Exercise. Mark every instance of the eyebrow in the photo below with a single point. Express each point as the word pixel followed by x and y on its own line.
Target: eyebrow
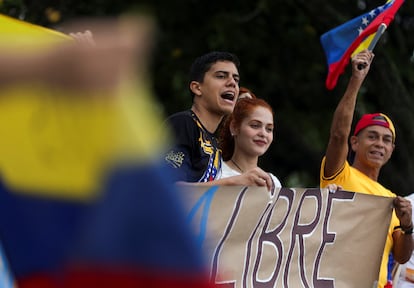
pixel 258 121
pixel 227 73
pixel 376 133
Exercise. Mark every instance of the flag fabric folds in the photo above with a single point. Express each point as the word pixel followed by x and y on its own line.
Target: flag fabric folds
pixel 6 277
pixel 133 235
pixel 340 43
pixel 85 200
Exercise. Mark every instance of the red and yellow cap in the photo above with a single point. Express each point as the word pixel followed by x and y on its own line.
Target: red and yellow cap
pixel 375 119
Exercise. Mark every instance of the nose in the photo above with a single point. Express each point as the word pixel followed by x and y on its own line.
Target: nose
pixel 265 133
pixel 233 83
pixel 380 142
pixel 262 132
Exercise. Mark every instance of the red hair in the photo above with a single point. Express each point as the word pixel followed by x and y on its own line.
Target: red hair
pixel 244 90
pixel 244 107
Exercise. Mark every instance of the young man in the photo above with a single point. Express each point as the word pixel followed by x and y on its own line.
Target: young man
pixel 373 142
pixel 195 157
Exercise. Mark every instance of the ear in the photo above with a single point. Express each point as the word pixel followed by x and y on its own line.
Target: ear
pixel 195 88
pixel 354 142
pixel 233 130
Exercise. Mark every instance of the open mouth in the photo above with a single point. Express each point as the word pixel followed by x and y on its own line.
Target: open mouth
pixel 376 156
pixel 228 96
pixel 377 153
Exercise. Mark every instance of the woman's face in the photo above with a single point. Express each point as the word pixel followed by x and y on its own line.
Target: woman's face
pixel 255 133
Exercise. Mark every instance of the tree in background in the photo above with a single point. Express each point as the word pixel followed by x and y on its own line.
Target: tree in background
pixel 282 61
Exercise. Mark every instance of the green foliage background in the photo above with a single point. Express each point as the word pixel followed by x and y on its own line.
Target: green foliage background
pixel 282 61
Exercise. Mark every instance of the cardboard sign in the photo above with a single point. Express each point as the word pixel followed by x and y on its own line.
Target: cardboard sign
pixel 293 238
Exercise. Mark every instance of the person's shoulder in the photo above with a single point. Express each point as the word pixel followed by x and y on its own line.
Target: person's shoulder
pixel 182 124
pixel 180 114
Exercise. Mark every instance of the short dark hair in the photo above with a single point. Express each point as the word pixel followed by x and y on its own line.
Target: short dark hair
pixel 203 63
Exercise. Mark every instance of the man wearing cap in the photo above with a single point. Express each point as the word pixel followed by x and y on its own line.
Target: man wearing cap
pixel 373 143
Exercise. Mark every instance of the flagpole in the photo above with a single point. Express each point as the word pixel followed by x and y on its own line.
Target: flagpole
pixel 380 31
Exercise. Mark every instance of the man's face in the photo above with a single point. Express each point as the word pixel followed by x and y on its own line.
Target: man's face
pixel 219 89
pixel 373 146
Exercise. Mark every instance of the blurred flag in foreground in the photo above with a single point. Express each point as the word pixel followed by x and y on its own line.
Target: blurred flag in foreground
pixel 84 200
pixel 342 42
pixel 16 32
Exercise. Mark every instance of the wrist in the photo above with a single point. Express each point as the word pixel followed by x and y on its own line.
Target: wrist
pixel 408 232
pixel 407 229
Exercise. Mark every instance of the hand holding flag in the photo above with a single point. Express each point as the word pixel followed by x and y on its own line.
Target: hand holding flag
pixel 361 63
pixel 342 42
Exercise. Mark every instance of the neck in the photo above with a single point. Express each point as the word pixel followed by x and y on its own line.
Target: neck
pixel 243 163
pixel 371 172
pixel 209 120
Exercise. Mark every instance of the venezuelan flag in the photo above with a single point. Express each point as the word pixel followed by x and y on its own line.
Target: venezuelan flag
pixel 84 199
pixel 340 43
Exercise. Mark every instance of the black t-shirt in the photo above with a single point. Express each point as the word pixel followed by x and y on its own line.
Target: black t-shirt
pixel 195 155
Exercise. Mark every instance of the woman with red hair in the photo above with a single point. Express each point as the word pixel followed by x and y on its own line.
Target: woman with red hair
pixel 246 135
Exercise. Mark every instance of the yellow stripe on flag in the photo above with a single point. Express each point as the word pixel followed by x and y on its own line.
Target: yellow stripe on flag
pixel 364 45
pixel 26 36
pixel 59 143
